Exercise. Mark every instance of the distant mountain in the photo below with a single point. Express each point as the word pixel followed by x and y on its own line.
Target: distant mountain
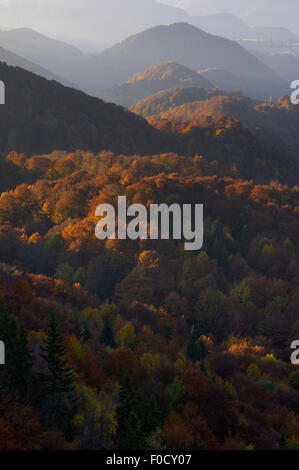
pixel 156 78
pixel 189 46
pixel 67 62
pixel 226 25
pixel 223 79
pixel 27 42
pixel 41 116
pixel 230 26
pixel 274 13
pixel 211 7
pixel 15 60
pixel 285 65
pixel 97 22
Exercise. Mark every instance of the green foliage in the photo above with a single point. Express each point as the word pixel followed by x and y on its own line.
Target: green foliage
pixel 176 392
pixel 253 371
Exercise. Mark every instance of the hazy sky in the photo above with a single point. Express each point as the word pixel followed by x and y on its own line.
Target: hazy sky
pixel 103 22
pixel 94 21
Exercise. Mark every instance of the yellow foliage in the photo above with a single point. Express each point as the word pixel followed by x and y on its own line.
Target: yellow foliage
pixel 127 336
pixel 150 362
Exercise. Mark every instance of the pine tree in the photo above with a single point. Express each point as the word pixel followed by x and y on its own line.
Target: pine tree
pixel 58 384
pixel 107 335
pixel 130 434
pixel 61 377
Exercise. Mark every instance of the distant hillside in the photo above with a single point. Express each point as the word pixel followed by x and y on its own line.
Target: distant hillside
pixel 275 123
pixel 223 24
pixel 189 46
pixel 285 65
pixel 227 143
pixel 29 43
pixel 230 26
pixel 222 79
pixel 165 100
pixel 275 12
pixel 159 77
pixel 13 59
pixel 42 116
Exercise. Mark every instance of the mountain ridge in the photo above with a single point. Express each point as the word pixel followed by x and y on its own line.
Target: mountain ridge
pixel 191 47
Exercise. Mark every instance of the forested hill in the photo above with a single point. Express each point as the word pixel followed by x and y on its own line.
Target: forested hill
pixel 41 116
pixel 276 123
pixel 187 45
pixel 161 76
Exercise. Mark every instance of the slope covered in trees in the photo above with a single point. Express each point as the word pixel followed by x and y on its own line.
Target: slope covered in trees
pixel 166 100
pixel 275 123
pixel 41 116
pixel 143 336
pixel 159 77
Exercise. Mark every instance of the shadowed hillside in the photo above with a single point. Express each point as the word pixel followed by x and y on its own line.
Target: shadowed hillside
pixel 41 116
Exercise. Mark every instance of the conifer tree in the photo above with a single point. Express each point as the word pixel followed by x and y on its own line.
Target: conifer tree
pixel 197 349
pixel 130 434
pixel 107 335
pixel 58 383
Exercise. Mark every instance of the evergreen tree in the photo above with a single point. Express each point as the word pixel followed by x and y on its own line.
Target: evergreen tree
pixel 202 350
pixel 148 411
pixel 86 333
pixel 58 384
pixel 176 391
pixel 197 349
pixel 107 335
pixel 130 433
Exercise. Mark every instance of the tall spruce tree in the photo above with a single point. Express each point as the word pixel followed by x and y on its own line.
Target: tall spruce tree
pixel 130 434
pixel 58 383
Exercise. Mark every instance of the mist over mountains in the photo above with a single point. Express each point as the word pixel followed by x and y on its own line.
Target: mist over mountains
pixel 101 23
pixel 98 24
pixel 189 46
pixel 134 31
pixel 271 13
